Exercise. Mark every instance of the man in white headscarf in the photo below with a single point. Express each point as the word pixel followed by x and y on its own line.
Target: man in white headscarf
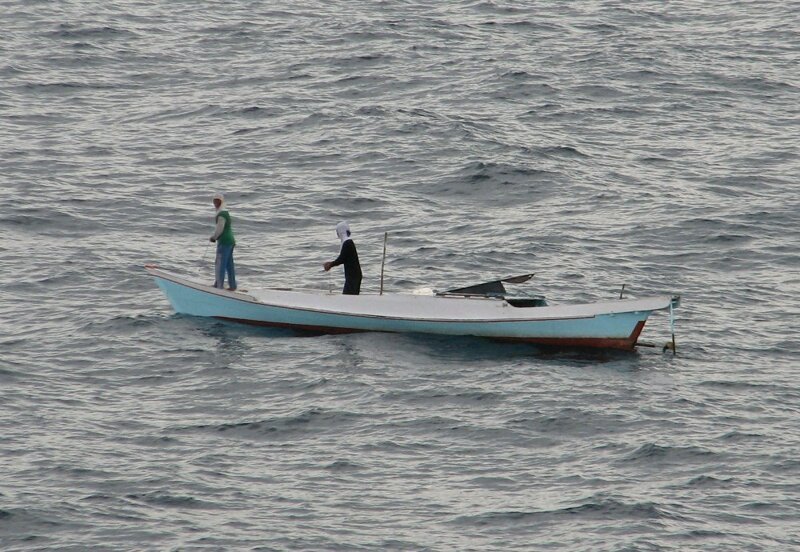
pixel 348 256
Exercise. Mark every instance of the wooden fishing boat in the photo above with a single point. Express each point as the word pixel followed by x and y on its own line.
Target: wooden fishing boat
pixel 482 310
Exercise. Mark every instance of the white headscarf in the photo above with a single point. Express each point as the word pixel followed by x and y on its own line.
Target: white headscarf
pixel 221 199
pixel 343 231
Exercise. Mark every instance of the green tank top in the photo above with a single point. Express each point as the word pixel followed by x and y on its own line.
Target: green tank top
pixel 226 238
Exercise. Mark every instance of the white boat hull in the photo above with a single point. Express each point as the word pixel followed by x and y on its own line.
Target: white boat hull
pixel 614 324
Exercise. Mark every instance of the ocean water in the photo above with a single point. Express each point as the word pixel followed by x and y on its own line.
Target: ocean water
pixel 596 143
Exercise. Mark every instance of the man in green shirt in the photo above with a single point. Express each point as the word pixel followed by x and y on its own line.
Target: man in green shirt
pixel 223 236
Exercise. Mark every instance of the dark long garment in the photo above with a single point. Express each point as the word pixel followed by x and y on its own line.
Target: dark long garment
pixel 348 256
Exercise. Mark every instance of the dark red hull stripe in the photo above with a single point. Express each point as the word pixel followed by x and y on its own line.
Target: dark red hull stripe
pixel 626 344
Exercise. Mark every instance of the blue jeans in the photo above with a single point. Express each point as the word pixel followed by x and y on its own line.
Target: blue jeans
pixel 223 264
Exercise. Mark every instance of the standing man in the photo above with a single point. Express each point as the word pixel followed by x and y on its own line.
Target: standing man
pixel 348 256
pixel 223 236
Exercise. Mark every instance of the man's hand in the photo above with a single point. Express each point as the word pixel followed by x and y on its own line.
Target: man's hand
pixel 327 266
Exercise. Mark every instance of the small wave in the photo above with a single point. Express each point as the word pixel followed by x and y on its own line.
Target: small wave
pixel 243 28
pixel 568 151
pixel 100 497
pixel 410 448
pixel 437 397
pixel 366 80
pixel 419 112
pixel 788 466
pixel 600 27
pixel 243 131
pixel 73 32
pixel 312 120
pixel 643 75
pixel 491 7
pixel 363 58
pixel 653 160
pixel 122 325
pixel 595 509
pixel 742 385
pixel 614 509
pixel 209 111
pixel 6 374
pixel 753 84
pixel 479 170
pixel 521 88
pixel 709 481
pixel 528 26
pixel 47 221
pixel 518 75
pixel 704 534
pixel 736 436
pixel 494 482
pixel 762 506
pixel 170 501
pixel 567 420
pixel 372 111
pixel 84 46
pixel 14 69
pixel 496 183
pixel 296 426
pixel 364 36
pixel 654 452
pixel 597 91
pixel 251 112
pixel 67 86
pixel 343 466
pixel 727 238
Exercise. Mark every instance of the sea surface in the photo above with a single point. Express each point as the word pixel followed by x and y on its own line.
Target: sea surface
pixel 596 143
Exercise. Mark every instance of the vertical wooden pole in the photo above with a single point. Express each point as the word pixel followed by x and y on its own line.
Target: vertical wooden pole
pixel 621 291
pixel 672 326
pixel 383 262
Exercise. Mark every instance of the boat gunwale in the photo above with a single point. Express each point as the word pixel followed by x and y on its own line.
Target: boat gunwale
pixel 239 296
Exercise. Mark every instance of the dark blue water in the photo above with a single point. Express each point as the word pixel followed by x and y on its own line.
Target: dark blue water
pixel 595 143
